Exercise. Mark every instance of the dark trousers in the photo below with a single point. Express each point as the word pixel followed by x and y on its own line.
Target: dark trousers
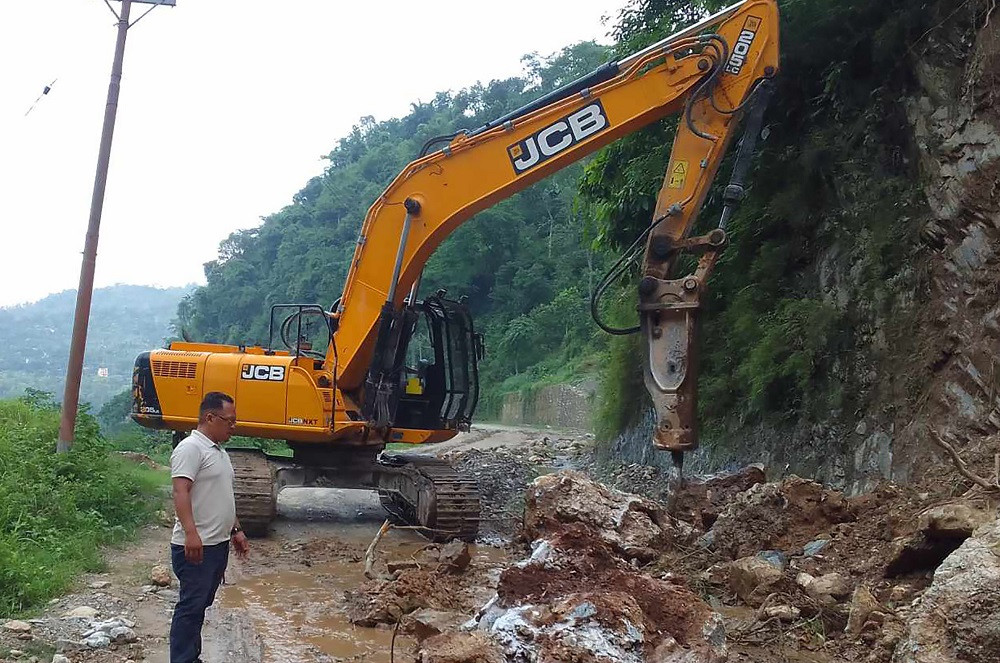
pixel 199 583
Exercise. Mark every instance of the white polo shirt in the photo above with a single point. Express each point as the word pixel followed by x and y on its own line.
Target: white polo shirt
pixel 207 464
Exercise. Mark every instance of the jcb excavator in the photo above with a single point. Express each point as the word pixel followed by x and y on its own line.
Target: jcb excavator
pixel 397 368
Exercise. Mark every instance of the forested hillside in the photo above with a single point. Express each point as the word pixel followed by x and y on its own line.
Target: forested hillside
pixel 814 304
pixel 124 321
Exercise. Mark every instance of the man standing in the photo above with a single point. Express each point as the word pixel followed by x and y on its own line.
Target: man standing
pixel 202 477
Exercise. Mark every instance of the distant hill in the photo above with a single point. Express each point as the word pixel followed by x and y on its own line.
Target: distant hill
pixel 124 321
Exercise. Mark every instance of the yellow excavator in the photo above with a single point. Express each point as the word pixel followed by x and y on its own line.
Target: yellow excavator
pixel 398 368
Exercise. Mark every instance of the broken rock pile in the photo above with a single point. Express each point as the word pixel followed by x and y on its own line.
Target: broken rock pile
pixel 502 475
pixel 858 569
pixel 580 594
pixel 424 590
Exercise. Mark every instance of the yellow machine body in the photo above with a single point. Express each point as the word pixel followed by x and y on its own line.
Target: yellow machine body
pixel 279 395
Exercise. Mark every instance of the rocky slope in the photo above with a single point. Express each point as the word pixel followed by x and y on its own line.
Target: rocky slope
pixel 927 341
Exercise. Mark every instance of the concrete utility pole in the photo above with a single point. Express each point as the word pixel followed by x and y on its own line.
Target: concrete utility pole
pixel 78 344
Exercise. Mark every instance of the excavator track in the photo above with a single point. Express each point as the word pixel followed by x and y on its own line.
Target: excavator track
pixel 254 489
pixel 448 503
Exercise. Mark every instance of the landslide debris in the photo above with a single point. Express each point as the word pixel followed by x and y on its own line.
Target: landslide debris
pixel 421 591
pixel 783 516
pixel 503 474
pixel 726 568
pixel 958 617
pixel 571 503
pixel 580 595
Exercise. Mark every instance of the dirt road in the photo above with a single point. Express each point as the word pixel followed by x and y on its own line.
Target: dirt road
pixel 289 602
pixel 286 603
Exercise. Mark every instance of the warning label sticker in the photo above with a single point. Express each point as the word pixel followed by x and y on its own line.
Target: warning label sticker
pixel 678 175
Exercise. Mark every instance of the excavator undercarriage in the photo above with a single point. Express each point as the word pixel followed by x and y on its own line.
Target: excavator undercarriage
pixel 415 489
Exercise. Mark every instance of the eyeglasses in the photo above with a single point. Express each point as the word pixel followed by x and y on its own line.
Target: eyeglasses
pixel 230 420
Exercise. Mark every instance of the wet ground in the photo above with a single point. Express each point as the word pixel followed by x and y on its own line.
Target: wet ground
pixel 287 602
pixel 296 597
pixel 296 611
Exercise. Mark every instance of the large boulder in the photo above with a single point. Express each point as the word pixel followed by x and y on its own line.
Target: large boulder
pixel 863 605
pixel 17 626
pixel 81 612
pixel 940 530
pixel 580 595
pixel 626 626
pixel 952 521
pixel 427 623
pixel 387 600
pixel 957 619
pixel 635 527
pixel 751 578
pixel 459 648
pixel 160 576
pixel 700 501
pixel 835 585
pixel 455 556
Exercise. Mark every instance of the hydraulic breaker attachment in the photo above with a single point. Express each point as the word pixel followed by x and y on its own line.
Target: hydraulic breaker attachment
pixel 669 307
pixel 669 312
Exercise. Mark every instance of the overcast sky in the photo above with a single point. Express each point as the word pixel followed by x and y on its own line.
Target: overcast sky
pixel 226 109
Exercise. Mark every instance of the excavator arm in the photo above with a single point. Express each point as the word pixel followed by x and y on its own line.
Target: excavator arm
pixel 710 73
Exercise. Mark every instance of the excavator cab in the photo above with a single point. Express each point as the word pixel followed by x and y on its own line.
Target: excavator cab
pixel 426 370
pixel 429 357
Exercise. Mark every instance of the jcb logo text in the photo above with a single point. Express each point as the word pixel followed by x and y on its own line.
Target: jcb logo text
pixel 558 136
pixel 254 372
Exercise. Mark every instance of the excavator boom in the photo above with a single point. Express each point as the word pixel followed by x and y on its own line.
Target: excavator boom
pixel 710 76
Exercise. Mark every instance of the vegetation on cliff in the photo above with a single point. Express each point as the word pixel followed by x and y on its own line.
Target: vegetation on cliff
pixel 822 248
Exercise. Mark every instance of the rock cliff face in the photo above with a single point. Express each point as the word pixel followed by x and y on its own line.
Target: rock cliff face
pixel 956 126
pixel 927 345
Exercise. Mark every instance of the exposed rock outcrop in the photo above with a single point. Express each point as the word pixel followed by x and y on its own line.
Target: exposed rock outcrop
pixel 958 618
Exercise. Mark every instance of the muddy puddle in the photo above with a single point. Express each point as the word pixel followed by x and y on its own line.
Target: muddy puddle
pixel 298 615
pixel 295 604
